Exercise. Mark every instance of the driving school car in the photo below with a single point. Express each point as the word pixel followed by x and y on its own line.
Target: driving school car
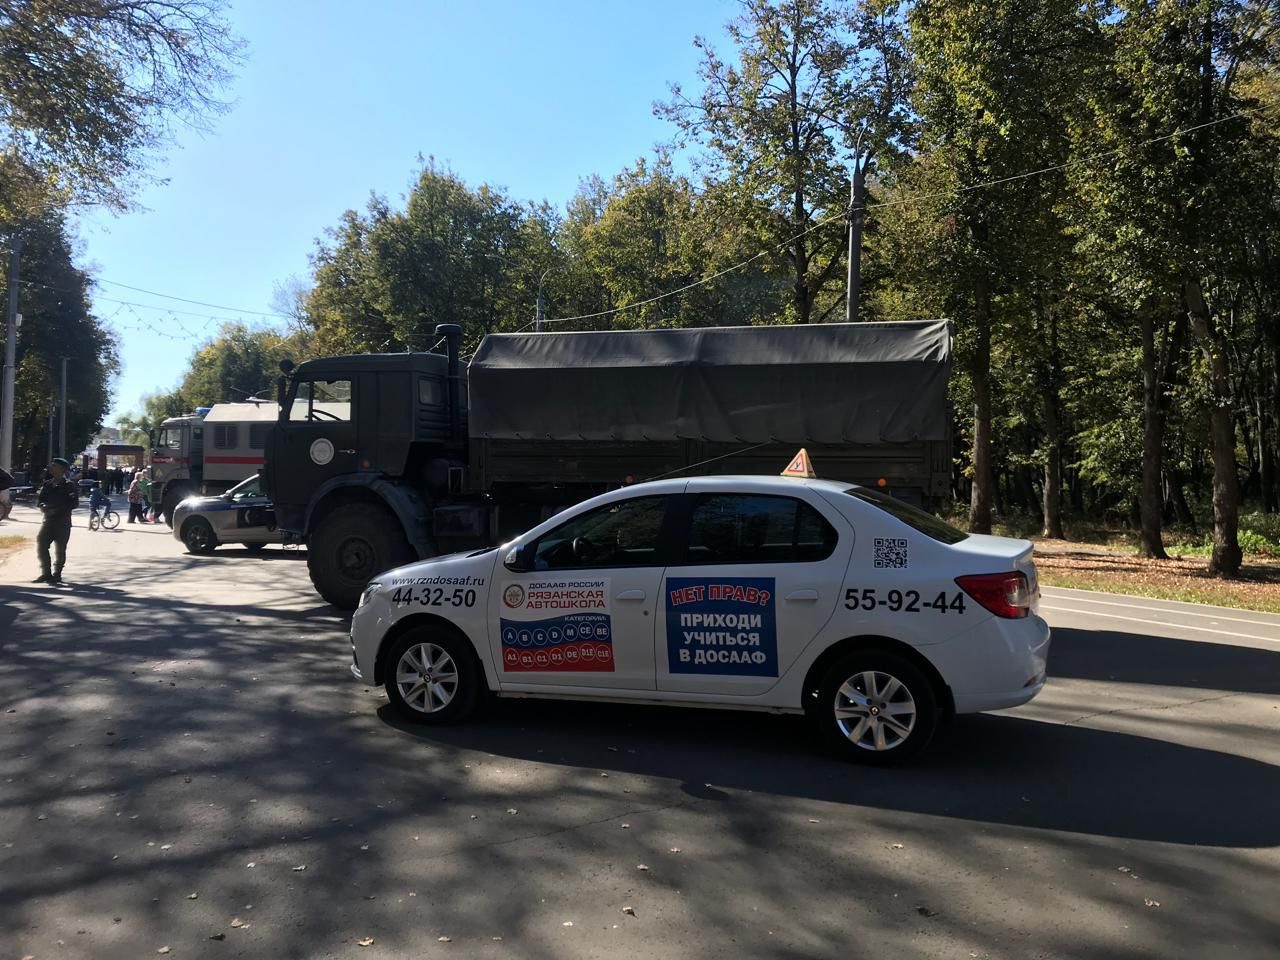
pixel 747 593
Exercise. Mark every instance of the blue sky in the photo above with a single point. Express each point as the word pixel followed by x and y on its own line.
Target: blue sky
pixel 338 99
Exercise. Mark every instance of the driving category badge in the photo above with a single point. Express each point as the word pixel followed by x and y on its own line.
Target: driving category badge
pixel 553 625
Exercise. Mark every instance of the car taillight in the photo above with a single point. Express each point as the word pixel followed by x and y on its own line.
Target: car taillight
pixel 1006 594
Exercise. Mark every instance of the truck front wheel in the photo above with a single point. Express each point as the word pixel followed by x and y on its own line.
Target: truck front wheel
pixel 351 546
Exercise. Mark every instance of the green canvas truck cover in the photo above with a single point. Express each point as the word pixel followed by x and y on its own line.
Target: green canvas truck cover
pixel 865 383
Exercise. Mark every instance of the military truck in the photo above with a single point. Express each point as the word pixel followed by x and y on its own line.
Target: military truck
pixel 380 459
pixel 209 451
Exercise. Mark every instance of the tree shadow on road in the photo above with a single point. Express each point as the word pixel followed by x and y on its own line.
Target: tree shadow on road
pixel 1113 655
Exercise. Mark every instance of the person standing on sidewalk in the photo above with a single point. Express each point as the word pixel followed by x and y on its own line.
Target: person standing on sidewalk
pixel 6 481
pixel 135 498
pixel 144 483
pixel 57 499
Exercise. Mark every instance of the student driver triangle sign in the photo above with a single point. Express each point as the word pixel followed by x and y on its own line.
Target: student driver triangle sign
pixel 800 466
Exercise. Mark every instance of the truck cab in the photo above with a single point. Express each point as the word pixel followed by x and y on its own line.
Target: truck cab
pixel 177 459
pixel 365 448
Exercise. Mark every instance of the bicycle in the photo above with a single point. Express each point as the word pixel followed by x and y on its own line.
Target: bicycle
pixel 109 520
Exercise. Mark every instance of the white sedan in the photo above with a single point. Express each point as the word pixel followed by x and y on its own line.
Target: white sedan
pixel 747 593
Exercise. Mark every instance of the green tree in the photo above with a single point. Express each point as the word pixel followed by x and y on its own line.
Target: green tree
pixel 89 87
pixel 993 76
pixel 771 123
pixel 240 363
pixel 1168 209
pixel 57 323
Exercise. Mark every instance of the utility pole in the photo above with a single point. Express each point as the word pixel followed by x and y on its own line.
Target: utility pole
pixel 10 359
pixel 62 419
pixel 540 313
pixel 857 213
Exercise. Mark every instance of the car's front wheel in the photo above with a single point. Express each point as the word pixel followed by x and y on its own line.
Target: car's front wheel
pixel 198 536
pixel 432 676
pixel 875 707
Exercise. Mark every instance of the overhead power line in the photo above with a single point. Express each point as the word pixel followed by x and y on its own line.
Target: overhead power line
pixel 198 303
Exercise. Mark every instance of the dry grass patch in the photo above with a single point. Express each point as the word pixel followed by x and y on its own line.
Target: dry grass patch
pixel 10 544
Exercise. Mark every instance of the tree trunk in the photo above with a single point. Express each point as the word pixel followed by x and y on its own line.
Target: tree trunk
pixel 1266 462
pixel 983 476
pixel 1150 495
pixel 1177 494
pixel 1052 506
pixel 1226 557
pixel 1271 417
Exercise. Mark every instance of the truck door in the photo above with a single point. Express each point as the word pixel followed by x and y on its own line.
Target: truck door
pixel 317 439
pixel 584 617
pixel 761 575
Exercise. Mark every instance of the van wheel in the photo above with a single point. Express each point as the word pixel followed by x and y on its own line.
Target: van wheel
pixel 875 708
pixel 432 676
pixel 351 546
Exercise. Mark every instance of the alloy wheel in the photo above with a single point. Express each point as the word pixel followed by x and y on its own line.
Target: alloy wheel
pixel 875 710
pixel 426 678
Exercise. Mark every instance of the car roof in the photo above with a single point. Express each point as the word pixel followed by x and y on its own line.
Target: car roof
pixel 750 483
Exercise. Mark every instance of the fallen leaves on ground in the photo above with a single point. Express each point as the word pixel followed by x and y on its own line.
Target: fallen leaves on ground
pixel 1086 567
pixel 365 942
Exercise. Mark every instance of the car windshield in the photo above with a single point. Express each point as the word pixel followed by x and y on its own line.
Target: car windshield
pixel 245 489
pixel 913 517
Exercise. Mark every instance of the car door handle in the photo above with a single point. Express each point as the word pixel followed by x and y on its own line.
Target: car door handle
pixel 630 595
pixel 803 595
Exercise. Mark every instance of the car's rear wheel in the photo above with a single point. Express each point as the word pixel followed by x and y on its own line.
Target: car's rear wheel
pixel 432 676
pixel 198 536
pixel 876 708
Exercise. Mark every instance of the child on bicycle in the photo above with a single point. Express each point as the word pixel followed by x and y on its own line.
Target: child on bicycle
pixel 98 499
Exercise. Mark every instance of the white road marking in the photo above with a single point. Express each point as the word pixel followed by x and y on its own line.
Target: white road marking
pixel 1176 613
pixel 1161 623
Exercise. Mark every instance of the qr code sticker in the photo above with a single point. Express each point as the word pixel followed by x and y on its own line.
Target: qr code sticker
pixel 890 553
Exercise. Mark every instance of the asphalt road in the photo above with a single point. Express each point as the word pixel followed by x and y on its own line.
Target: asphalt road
pixel 186 765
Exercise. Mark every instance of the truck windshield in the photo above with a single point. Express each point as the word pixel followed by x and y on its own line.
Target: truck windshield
pixel 322 400
pixel 913 517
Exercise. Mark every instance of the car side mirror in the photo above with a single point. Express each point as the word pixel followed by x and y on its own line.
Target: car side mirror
pixel 519 558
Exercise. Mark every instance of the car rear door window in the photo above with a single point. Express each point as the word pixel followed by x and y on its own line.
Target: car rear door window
pixel 754 528
pixel 914 517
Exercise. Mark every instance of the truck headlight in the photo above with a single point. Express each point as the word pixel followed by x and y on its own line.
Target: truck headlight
pixel 369 591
